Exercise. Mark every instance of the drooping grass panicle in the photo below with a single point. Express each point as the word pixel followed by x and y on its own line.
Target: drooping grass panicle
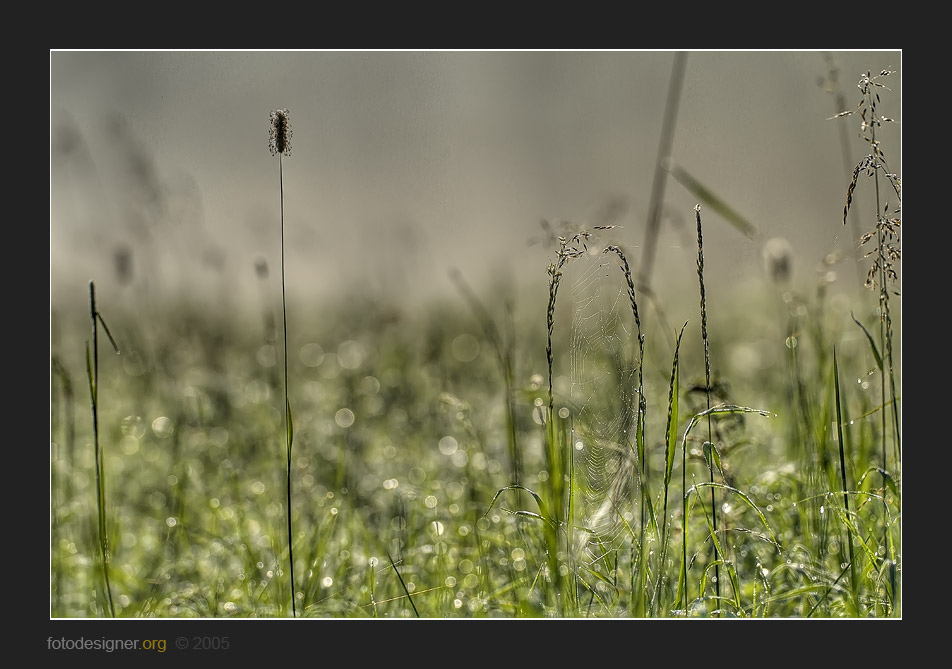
pixel 887 252
pixel 641 411
pixel 568 250
pixel 642 405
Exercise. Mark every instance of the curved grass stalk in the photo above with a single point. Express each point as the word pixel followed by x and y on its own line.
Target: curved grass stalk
pixel 92 368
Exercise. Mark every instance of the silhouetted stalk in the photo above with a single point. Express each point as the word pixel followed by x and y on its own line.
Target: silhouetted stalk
pixel 707 386
pixel 660 175
pixel 671 439
pixel 281 144
pixel 92 365
pixel 640 416
pixel 846 497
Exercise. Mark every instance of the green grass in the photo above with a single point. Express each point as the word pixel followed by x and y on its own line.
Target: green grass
pixel 444 467
pixel 427 520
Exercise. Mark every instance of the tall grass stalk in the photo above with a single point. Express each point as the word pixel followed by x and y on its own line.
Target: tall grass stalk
pixel 671 442
pixel 556 455
pixel 639 436
pixel 882 270
pixel 92 367
pixel 846 497
pixel 280 143
pixel 707 389
pixel 661 174
pixel 403 584
pixel 887 252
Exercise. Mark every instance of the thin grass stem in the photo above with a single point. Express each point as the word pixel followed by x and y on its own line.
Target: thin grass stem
pixel 707 385
pixel 93 371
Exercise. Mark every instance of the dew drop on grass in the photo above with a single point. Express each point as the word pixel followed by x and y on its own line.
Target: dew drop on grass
pixel 133 426
pixel 369 385
pixel 344 417
pixel 162 427
pixel 350 354
pixel 311 355
pixel 448 445
pixel 465 347
pixel 266 356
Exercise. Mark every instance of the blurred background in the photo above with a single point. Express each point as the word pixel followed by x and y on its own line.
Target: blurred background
pixel 405 165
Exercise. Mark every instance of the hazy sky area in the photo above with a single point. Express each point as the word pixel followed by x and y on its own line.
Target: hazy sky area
pixel 406 164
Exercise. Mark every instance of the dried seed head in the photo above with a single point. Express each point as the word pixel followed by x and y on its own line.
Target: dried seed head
pixel 280 137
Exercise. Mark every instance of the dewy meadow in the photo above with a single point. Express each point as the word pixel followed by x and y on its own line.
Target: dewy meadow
pixel 618 437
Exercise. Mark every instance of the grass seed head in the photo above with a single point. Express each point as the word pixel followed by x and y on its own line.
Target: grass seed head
pixel 280 136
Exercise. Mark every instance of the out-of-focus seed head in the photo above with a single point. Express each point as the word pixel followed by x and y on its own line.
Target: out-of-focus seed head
pixel 280 136
pixel 778 260
pixel 122 261
pixel 261 267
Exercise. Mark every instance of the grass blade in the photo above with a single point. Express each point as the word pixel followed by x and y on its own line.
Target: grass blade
pixel 707 196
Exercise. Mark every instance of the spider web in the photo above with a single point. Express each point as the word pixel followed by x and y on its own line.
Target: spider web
pixel 604 362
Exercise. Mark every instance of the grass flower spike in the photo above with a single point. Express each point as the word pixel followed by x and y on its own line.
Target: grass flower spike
pixel 280 140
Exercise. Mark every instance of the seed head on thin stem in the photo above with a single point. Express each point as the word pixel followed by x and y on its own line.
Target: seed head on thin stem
pixel 280 135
